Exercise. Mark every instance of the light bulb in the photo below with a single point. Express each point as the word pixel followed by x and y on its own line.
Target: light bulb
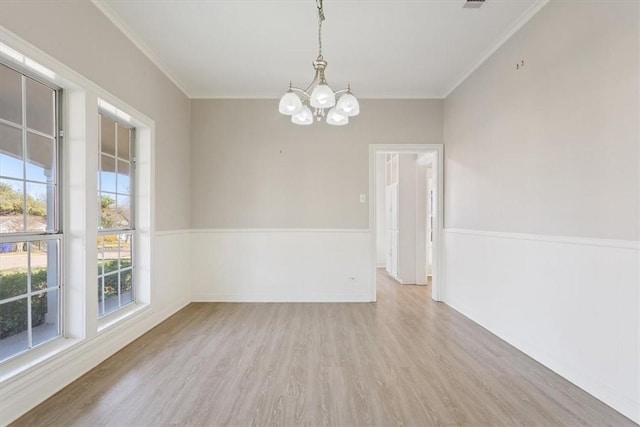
pixel 322 97
pixel 348 104
pixel 304 117
pixel 290 104
pixel 337 118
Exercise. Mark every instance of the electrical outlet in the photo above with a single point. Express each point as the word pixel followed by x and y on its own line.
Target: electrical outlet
pixel 352 278
pixel 363 198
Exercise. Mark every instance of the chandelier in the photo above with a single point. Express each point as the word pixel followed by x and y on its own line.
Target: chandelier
pixel 297 102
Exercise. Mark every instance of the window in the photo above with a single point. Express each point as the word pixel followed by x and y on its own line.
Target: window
pixel 95 184
pixel 116 231
pixel 30 231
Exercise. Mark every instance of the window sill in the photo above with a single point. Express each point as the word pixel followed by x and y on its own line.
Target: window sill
pixel 21 363
pixel 112 319
pixel 20 366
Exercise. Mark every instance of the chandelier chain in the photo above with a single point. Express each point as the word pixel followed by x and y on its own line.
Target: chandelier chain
pixel 320 19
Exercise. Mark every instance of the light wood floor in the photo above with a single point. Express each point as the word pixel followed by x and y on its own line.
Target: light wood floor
pixel 402 361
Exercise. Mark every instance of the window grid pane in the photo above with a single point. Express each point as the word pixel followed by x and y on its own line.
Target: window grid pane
pixel 29 294
pixel 115 176
pixel 115 272
pixel 29 157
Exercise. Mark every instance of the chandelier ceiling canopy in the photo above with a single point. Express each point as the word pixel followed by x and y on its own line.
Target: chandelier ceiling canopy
pixel 298 103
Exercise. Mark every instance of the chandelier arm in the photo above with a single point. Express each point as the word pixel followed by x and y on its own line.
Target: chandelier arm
pixel 314 82
pixel 303 92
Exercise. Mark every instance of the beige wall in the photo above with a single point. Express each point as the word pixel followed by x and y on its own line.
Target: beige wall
pixel 77 34
pixel 252 168
pixel 551 148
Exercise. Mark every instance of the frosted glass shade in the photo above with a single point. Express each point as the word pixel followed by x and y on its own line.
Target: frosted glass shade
pixel 290 104
pixel 348 104
pixel 337 118
pixel 304 117
pixel 322 97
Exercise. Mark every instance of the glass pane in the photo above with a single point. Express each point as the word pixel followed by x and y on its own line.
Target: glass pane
pixel 11 206
pixel 124 136
pixel 107 211
pixel 108 174
pixel 123 212
pixel 125 250
pixel 44 264
pixel 13 269
pixel 10 95
pixel 111 293
pixel 11 160
pixel 40 107
pixel 126 287
pixel 124 173
pixel 100 297
pixel 37 206
pixel 107 136
pixel 14 337
pixel 40 158
pixel 45 319
pixel 110 253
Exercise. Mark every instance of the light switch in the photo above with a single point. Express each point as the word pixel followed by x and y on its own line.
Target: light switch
pixel 363 198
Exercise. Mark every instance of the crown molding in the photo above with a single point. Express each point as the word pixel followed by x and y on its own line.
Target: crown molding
pixel 523 19
pixel 131 35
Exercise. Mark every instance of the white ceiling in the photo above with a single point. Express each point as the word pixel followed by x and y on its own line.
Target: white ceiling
pixel 252 48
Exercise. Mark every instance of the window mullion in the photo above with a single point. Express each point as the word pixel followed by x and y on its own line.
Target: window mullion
pixel 24 153
pixel 29 308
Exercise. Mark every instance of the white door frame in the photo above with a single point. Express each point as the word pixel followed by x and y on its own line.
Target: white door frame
pixel 437 287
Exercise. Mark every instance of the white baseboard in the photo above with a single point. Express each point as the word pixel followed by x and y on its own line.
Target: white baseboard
pixel 570 303
pixel 284 297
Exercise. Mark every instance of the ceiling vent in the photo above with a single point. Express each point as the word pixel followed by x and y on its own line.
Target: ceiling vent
pixel 473 4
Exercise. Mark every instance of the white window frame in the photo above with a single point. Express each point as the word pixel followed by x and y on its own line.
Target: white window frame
pixel 110 113
pixel 54 233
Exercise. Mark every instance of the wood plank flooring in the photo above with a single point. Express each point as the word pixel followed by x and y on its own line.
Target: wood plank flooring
pixel 402 361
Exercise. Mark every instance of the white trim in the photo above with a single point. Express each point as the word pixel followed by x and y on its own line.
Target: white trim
pixel 279 230
pixel 137 41
pixel 112 16
pixel 418 97
pixel 519 23
pixel 279 298
pixel 438 277
pixel 584 241
pixel 166 233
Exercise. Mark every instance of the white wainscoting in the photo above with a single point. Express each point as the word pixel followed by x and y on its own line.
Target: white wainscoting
pixel 282 265
pixel 170 292
pixel 570 303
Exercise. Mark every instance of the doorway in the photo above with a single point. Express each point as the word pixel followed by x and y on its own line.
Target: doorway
pixel 427 232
